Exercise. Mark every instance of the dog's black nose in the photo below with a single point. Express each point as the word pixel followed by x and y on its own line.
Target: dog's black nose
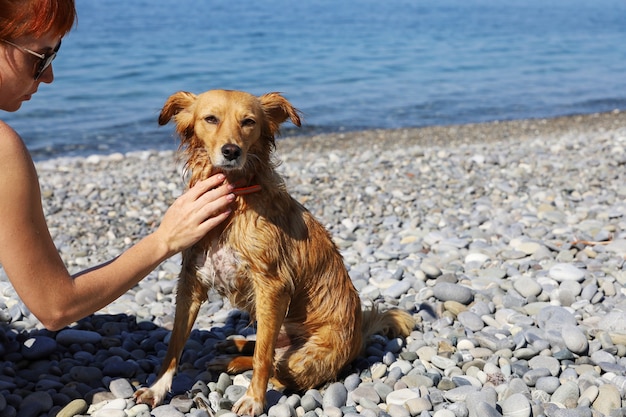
pixel 231 152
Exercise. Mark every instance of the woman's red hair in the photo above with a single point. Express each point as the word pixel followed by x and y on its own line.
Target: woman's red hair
pixel 36 18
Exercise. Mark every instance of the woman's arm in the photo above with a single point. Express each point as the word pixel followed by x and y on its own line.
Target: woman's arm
pixel 34 267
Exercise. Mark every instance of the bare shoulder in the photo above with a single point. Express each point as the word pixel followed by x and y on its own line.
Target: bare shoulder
pixel 20 198
pixel 13 152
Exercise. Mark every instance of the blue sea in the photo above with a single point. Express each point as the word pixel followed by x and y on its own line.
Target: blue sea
pixel 347 65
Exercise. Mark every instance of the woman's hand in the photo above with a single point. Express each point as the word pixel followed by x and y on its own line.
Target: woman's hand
pixel 195 213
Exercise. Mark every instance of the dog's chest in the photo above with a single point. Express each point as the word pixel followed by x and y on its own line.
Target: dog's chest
pixel 217 268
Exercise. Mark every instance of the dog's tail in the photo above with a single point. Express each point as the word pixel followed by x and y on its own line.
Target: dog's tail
pixel 391 323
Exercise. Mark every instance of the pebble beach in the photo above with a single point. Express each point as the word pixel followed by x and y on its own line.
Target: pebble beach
pixel 506 241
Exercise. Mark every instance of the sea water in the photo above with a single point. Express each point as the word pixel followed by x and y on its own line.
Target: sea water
pixel 347 65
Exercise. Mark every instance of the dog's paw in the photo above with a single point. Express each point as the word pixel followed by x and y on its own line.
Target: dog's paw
pixel 148 396
pixel 248 406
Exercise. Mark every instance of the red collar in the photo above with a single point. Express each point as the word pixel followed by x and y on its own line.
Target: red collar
pixel 247 190
pixel 241 189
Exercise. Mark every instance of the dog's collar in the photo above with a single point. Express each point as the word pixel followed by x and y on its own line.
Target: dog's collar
pixel 241 189
pixel 247 190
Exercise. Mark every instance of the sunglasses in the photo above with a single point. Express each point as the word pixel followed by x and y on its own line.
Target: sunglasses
pixel 44 59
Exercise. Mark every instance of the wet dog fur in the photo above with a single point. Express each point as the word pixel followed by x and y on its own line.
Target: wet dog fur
pixel 271 258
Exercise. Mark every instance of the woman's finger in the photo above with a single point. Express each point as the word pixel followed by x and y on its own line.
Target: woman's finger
pixel 201 187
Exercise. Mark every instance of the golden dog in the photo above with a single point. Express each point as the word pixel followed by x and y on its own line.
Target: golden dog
pixel 271 258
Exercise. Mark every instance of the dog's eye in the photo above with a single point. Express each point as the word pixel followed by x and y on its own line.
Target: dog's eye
pixel 248 122
pixel 212 120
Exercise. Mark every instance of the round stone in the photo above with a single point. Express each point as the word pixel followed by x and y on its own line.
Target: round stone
pixel 234 392
pixel 554 318
pixel 548 384
pixel 73 408
pixel 517 405
pixel 281 410
pixel 401 396
pixel 527 287
pixel 335 396
pixel 70 336
pixel 575 340
pixel 608 399
pixel 121 388
pixel 35 404
pixel 447 291
pixel 367 392
pixel 565 271
pixel 547 362
pixel 471 321
pixel 38 347
pixel 567 394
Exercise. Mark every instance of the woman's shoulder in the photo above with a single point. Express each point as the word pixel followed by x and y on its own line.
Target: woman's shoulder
pixel 6 130
pixel 18 176
pixel 12 147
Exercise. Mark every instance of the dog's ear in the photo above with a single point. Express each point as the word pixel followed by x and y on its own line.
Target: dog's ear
pixel 174 104
pixel 178 106
pixel 278 109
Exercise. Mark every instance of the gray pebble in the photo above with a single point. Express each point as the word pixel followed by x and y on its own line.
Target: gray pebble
pixel 38 347
pixel 547 362
pixel 565 271
pixel 367 392
pixel 166 410
pixel 567 394
pixel 554 318
pixel 471 321
pixel 397 289
pixel 121 388
pixel 516 405
pixel 608 399
pixel 111 412
pixel 86 374
pixel 309 402
pixel 460 393
pixel 351 382
pixel 547 384
pixel 574 338
pixel 70 336
pixel 234 392
pixel 401 396
pixel 431 270
pixel 35 404
pixel 335 395
pixel 398 411
pixel 182 403
pixel 281 410
pixel 446 291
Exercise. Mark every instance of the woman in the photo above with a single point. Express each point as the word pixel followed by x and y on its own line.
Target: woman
pixel 30 36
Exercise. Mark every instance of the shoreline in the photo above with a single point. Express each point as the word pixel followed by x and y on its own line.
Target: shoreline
pixel 429 135
pixel 465 133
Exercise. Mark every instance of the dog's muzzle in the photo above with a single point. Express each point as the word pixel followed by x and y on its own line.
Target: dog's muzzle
pixel 232 156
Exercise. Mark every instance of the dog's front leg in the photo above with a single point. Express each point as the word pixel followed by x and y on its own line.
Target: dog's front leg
pixel 189 298
pixel 271 308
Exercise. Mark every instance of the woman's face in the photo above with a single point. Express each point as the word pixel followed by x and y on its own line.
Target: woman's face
pixel 18 68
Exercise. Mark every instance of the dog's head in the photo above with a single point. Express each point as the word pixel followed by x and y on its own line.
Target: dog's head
pixel 228 130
